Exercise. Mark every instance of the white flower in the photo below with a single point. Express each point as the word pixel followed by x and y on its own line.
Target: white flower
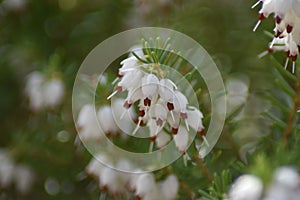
pixel 149 86
pixel 111 181
pixel 42 92
pixel 33 90
pixel 287 25
pixel 107 121
pixel 246 187
pixel 145 185
pixel 53 91
pixel 285 185
pixel 162 139
pixel 24 178
pixel 95 167
pixel 181 139
pixel 169 187
pixel 160 104
pixel 87 124
pixel 6 169
pixel 124 114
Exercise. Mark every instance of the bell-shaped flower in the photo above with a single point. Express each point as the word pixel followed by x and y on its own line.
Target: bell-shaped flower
pixel 246 187
pixel 107 121
pixel 181 139
pixel 53 92
pixel 180 104
pixel 6 169
pixel 128 65
pixel 87 124
pixel 174 121
pixel 149 85
pixel 162 139
pixel 145 185
pixel 169 187
pixel 110 181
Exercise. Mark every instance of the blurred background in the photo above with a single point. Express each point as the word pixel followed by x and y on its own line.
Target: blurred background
pixel 49 39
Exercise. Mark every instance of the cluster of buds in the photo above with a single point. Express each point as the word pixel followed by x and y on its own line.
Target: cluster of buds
pixel 161 106
pixel 114 183
pixel 287 26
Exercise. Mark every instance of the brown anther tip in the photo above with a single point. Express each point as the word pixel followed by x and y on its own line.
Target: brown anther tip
pixel 270 50
pixel 298 48
pixel 261 16
pixel 135 120
pixel 147 102
pixel 103 188
pixel 170 106
pixel 119 89
pixel 277 34
pixel 278 19
pixel 174 130
pixel 294 57
pixel 183 152
pixel 153 138
pixel 287 54
pixel 289 28
pixel 159 122
pixel 119 75
pixel 108 134
pixel 183 115
pixel 127 105
pixel 201 133
pixel 141 113
pixel 137 197
pixel 142 123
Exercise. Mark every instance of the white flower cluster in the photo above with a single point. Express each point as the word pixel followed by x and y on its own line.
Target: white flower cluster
pixel 141 185
pixel 161 106
pixel 10 173
pixel 285 185
pixel 42 92
pixel 287 26
pixel 87 121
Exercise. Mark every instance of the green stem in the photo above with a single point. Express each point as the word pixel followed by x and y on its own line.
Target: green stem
pixel 290 123
pixel 203 168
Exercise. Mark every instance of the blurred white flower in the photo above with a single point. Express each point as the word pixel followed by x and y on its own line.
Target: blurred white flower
pixel 95 167
pixel 169 187
pixel 10 173
pixel 138 184
pixel 107 121
pixel 146 186
pixel 246 187
pixel 23 177
pixel 87 124
pixel 14 5
pixel 33 90
pixel 162 139
pixel 285 185
pixel 53 91
pixel 42 92
pixel 6 168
